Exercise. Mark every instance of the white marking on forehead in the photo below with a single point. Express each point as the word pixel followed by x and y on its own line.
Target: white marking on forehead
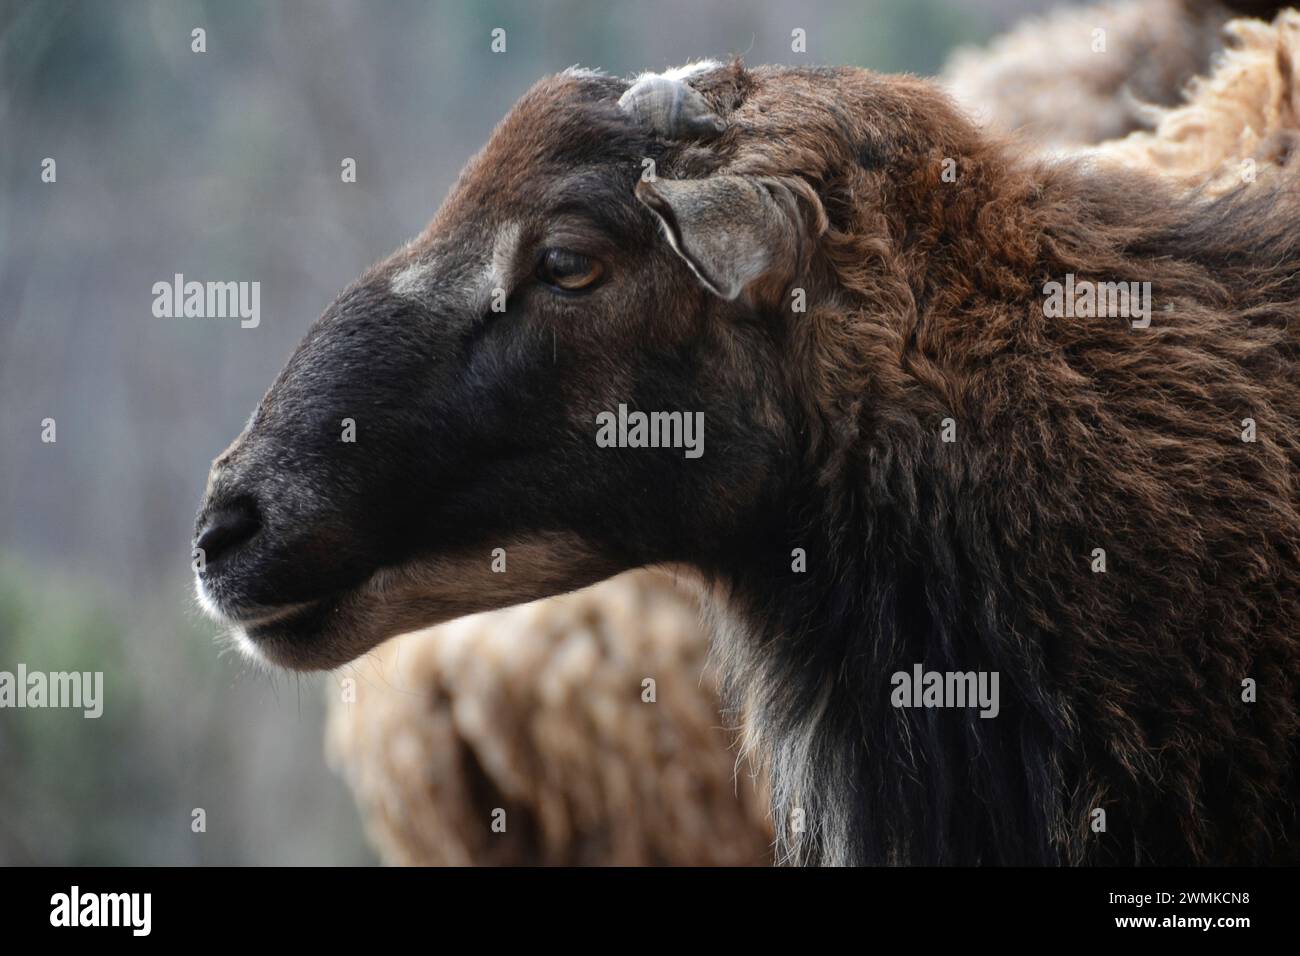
pixel 498 271
pixel 412 280
pixel 681 72
pixel 495 270
pixel 501 271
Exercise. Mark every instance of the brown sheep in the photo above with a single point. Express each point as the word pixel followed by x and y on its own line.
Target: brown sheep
pixel 418 806
pixel 849 283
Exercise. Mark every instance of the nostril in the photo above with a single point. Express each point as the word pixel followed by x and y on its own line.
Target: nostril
pixel 226 528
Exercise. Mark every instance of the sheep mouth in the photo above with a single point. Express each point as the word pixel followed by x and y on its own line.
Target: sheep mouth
pixel 220 605
pixel 294 626
pixel 280 618
pixel 264 618
pixel 293 634
pixel 316 635
pixel 331 630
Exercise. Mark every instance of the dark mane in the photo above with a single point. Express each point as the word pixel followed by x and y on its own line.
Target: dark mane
pixel 1121 690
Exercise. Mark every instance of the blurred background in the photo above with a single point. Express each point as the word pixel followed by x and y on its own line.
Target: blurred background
pixel 225 165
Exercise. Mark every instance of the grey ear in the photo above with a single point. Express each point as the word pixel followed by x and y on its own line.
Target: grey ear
pixel 736 230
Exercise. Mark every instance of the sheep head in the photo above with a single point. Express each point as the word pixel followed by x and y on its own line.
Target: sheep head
pixel 433 448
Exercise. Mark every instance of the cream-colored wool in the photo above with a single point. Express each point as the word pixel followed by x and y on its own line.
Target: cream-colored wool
pixel 1237 123
pixel 1047 80
pixel 538 710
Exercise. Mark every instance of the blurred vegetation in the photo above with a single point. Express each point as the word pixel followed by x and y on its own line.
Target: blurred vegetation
pixel 224 165
pixel 122 787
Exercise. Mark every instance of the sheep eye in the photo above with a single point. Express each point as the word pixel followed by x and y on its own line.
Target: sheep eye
pixel 569 271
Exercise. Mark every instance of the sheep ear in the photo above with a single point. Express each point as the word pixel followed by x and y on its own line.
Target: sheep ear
pixel 734 231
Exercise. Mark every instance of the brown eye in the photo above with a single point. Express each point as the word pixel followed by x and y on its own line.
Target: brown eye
pixel 570 271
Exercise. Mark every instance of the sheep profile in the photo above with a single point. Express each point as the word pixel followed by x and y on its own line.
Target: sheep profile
pixel 916 463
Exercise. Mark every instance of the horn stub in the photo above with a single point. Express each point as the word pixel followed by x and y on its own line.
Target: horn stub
pixel 671 108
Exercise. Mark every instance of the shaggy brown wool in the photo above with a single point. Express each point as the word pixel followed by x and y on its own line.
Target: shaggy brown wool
pixel 1074 434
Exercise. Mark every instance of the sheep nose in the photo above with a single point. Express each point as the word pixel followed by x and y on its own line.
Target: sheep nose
pixel 227 527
